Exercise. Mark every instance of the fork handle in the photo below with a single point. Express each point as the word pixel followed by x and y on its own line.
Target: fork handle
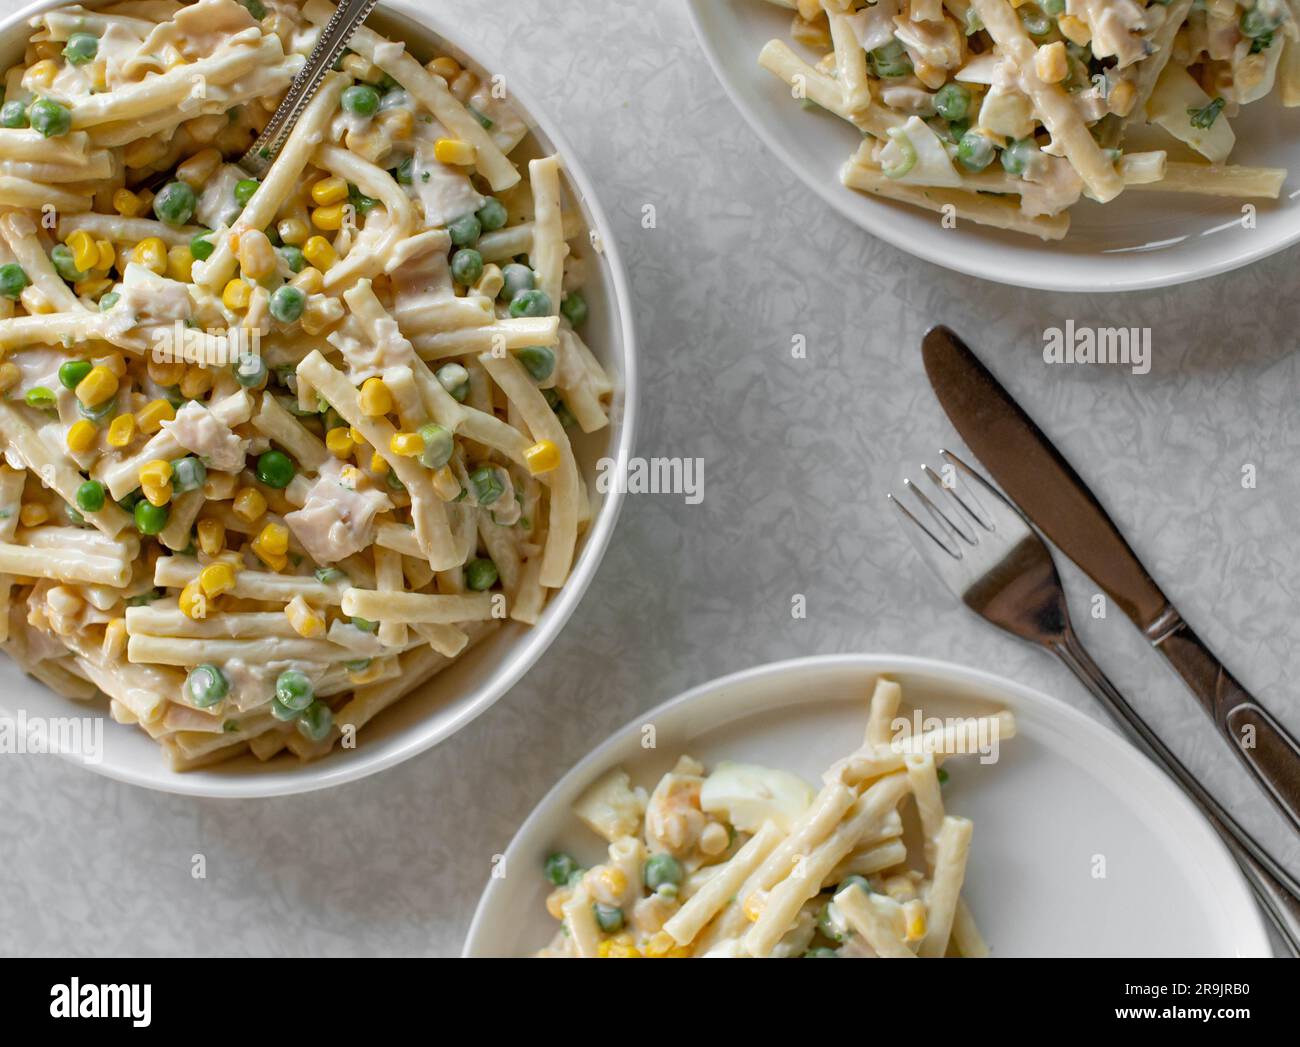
pixel 1277 891
pixel 1263 744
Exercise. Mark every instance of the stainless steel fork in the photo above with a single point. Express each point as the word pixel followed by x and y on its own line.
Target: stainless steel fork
pixel 990 556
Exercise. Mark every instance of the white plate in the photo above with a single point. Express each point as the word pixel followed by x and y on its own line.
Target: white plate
pixel 456 696
pixel 1065 795
pixel 1141 240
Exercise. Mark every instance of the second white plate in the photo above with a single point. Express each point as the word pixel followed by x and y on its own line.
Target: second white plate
pixel 1141 240
pixel 1082 847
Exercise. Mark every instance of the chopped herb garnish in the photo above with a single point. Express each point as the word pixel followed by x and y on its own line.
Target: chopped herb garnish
pixel 1205 116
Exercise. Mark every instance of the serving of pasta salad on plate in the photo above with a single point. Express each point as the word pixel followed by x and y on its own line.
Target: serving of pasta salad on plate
pixel 276 450
pixel 1008 112
pixel 743 860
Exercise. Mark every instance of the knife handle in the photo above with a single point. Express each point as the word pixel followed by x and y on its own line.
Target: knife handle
pixel 1262 743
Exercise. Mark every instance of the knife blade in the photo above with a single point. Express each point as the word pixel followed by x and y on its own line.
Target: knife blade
pixel 1037 477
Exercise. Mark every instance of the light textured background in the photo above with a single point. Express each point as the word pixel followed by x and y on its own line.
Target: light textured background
pixel 799 455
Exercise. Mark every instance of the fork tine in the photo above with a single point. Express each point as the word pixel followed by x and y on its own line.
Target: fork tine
pixel 962 512
pixel 969 506
pixel 945 522
pixel 953 552
pixel 1001 514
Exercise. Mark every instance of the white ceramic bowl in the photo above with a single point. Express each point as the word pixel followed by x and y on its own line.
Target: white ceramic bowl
pixel 1064 796
pixel 474 682
pixel 1140 240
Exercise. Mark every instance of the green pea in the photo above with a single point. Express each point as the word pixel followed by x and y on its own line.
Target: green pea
pixel 106 302
pixel 50 118
pixel 465 230
pixel 364 624
pixel 13 278
pixel 574 307
pixel 72 372
pixel 90 496
pixel 175 203
pixel 539 360
pixel 255 8
pixel 287 304
pixel 516 278
pixel 293 257
pixel 282 712
pixel 201 247
pixel 206 685
pixel 294 690
pixel 820 952
pixel 316 721
pixel 559 867
pixel 492 215
pixel 1016 156
pixel 608 917
pixel 150 518
pixel 1052 7
pixel 663 869
pixel 466 266
pixel 14 114
pixel 188 474
pixel 455 379
pixel 826 925
pixel 530 303
pixel 40 397
pixel 849 881
pixel 61 256
pixel 361 100
pixel 486 484
pixel 275 469
pixel 250 370
pixel 890 61
pixel 438 445
pixel 99 412
pixel 244 190
pixel 942 775
pixel 481 574
pixel 1035 24
pixel 952 101
pixel 975 151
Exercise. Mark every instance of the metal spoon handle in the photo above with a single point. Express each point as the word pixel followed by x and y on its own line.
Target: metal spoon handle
pixel 333 40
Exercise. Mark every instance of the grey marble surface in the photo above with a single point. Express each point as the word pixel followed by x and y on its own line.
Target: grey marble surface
pixel 798 456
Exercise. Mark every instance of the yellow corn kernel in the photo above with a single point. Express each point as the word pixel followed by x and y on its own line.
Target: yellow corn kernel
pixel 194 604
pixel 614 880
pixel 310 281
pixel 107 255
pixel 556 900
pixel 376 400
pixel 359 68
pixel 408 445
pixel 98 387
pixel 273 538
pixel 151 416
pixel 92 287
pixel 753 907
pixel 320 252
pixel 180 263
pixel 249 505
pixel 114 645
pixel 331 190
pixel 378 464
pixel 151 252
pixel 157 472
pixel 166 372
pixel 81 436
pixel 121 430
pixel 196 383
pixel 157 494
pixel 660 944
pixel 256 255
pixel 10 376
pixel 41 74
pixel 328 218
pixel 85 253
pixel 127 204
pixel 212 537
pixel 33 514
pixel 454 151
pixel 916 924
pixel 612 950
pixel 339 442
pixel 464 86
pixel 196 171
pixel 217 578
pixel 305 622
pixel 357 437
pixel 1074 29
pixel 1051 63
pixel 446 67
pixel 398 124
pixel 294 231
pixel 1121 98
pixel 114 361
pixel 542 457
pixel 445 484
pixel 235 294
pixel 321 312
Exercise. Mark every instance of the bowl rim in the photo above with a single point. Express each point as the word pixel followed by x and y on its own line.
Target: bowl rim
pixel 313 776
pixel 598 759
pixel 875 221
